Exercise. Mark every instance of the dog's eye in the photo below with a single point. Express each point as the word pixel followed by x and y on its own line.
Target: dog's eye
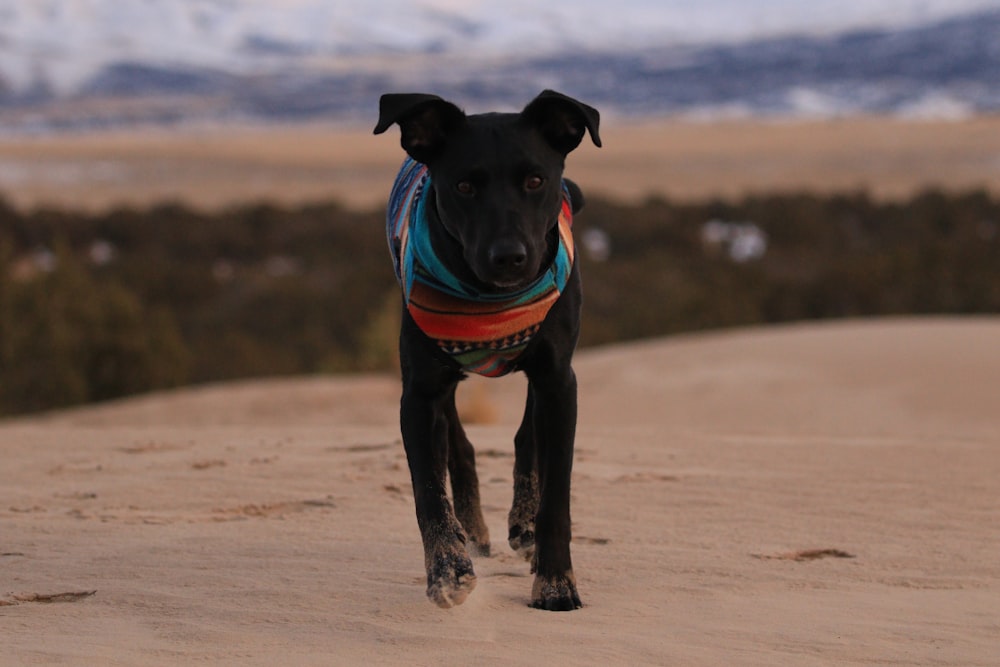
pixel 533 182
pixel 465 188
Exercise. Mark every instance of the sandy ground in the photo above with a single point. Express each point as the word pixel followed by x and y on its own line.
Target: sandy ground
pixel 811 494
pixel 215 166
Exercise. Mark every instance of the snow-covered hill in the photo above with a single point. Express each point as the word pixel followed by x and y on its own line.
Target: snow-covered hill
pixel 169 60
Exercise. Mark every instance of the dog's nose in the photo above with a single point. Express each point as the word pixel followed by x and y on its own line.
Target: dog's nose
pixel 508 254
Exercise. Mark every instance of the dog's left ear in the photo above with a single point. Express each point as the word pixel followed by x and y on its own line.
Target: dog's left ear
pixel 425 121
pixel 562 120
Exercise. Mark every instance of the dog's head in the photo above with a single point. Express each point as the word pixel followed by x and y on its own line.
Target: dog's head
pixel 497 177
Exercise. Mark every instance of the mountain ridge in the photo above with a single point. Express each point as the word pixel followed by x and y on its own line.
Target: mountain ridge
pixel 943 69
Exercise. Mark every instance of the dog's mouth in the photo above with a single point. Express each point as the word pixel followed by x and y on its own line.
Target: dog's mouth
pixel 507 282
pixel 509 285
pixel 500 284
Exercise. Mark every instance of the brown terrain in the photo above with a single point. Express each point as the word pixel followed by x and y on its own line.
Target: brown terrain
pixel 215 166
pixel 800 495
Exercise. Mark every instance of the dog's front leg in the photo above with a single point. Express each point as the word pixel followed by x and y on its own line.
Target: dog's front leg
pixel 465 483
pixel 424 425
pixel 524 509
pixel 554 418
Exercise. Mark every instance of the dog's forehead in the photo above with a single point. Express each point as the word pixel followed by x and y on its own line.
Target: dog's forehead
pixel 500 137
pixel 486 125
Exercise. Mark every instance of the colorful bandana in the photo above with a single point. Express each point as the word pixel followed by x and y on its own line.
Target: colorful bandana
pixel 485 333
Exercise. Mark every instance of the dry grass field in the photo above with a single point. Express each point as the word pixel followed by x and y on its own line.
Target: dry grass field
pixel 211 167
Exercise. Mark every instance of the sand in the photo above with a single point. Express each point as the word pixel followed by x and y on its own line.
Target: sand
pixel 213 167
pixel 807 494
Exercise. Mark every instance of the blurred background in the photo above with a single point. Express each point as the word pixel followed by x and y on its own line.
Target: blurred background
pixel 189 190
pixel 96 64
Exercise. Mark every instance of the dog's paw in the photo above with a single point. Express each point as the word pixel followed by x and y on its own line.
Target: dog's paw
pixel 555 593
pixel 450 578
pixel 478 548
pixel 478 535
pixel 522 540
pixel 521 519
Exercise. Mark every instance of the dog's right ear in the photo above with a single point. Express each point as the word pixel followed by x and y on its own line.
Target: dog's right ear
pixel 562 120
pixel 425 121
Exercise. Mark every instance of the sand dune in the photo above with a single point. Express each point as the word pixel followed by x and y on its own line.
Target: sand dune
pixel 812 494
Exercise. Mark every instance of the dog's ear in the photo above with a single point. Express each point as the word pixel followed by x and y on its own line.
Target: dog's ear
pixel 563 120
pixel 425 121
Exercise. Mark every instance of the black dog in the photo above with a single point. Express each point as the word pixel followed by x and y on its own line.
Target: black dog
pixel 479 228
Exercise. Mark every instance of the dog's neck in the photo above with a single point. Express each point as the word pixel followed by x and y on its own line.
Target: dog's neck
pixel 434 257
pixel 448 254
pixel 485 340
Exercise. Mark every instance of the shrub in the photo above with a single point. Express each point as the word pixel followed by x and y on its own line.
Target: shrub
pixel 68 338
pixel 172 295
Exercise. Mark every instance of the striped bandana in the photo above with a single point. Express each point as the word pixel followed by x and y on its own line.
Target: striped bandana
pixel 484 333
